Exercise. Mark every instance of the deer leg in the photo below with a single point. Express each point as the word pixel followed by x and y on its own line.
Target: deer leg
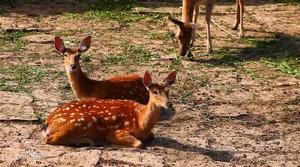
pixel 209 7
pixel 241 33
pixel 195 17
pixel 237 19
pixel 123 138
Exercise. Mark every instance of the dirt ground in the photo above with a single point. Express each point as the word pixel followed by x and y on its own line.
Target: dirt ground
pixel 227 112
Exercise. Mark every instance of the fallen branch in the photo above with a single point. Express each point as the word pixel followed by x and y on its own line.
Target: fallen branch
pixel 162 12
pixel 16 120
pixel 221 28
pixel 27 29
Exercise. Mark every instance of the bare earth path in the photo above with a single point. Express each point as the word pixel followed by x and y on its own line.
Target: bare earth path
pixel 237 107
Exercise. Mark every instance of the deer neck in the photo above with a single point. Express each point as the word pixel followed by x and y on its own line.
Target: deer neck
pixel 188 10
pixel 79 82
pixel 148 116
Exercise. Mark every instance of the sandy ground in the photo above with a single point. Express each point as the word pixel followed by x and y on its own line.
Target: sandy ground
pixel 222 115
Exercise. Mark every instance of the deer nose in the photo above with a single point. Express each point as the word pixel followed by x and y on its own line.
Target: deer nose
pixel 73 66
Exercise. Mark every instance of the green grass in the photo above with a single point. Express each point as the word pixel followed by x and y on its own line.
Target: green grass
pixel 106 10
pixel 280 52
pixel 131 54
pixel 254 74
pixel 20 78
pixel 286 66
pixel 86 58
pixel 11 41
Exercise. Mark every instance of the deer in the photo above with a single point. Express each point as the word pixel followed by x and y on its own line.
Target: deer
pixel 128 86
pixel 115 121
pixel 188 25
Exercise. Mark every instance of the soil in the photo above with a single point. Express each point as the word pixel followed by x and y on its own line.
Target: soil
pixel 228 118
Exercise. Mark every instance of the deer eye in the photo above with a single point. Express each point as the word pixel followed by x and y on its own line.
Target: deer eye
pixel 65 54
pixel 155 92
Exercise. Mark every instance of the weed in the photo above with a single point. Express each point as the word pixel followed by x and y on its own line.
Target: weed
pixel 19 78
pixel 175 65
pixel 255 75
pixel 286 66
pixel 12 42
pixel 86 57
pixel 131 54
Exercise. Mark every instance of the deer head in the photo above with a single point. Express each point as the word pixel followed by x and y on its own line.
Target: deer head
pixel 72 55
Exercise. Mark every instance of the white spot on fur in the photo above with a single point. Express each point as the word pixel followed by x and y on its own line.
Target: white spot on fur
pixel 89 124
pixel 106 118
pixel 95 119
pixel 72 105
pixel 72 120
pixel 76 109
pixel 126 123
pixel 114 117
pixel 84 106
pixel 67 108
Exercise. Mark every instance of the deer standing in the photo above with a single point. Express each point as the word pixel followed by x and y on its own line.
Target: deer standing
pixel 187 27
pixel 121 87
pixel 117 121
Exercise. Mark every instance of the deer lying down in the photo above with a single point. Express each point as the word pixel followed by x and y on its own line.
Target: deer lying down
pixel 116 121
pixel 119 87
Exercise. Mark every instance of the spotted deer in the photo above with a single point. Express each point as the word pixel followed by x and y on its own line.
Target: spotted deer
pixel 120 87
pixel 188 26
pixel 116 121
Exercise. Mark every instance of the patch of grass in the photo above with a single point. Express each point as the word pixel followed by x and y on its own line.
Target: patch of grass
pixel 175 65
pixel 254 74
pixel 149 34
pixel 106 10
pixel 280 52
pixel 86 57
pixel 114 59
pixel 11 41
pixel 286 66
pixel 225 56
pixel 41 117
pixel 131 54
pixel 20 78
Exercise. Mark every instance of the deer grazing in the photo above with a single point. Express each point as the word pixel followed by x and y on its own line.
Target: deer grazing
pixel 120 87
pixel 188 26
pixel 116 121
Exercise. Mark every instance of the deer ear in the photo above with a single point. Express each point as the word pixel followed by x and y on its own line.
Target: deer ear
pixel 85 44
pixel 59 45
pixel 170 79
pixel 177 22
pixel 147 79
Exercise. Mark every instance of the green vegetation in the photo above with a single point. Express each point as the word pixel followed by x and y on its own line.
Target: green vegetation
pixel 280 52
pixel 131 54
pixel 105 10
pixel 20 78
pixel 11 41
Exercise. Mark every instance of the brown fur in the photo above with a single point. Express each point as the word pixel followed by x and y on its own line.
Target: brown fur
pixel 121 122
pixel 119 87
pixel 187 37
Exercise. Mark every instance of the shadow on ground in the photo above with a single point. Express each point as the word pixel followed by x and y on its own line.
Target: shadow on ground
pixel 224 156
pixel 279 46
